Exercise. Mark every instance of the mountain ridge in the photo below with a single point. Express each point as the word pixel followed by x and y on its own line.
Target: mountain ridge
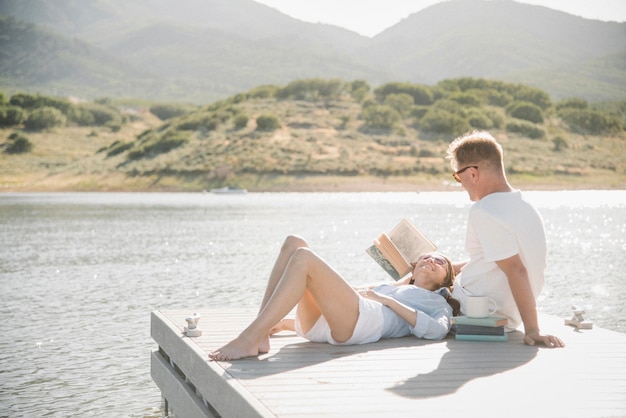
pixel 213 49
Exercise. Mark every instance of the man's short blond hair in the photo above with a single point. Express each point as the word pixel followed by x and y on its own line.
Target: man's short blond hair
pixel 475 148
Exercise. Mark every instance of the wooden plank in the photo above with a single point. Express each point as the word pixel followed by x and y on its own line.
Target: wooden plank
pixel 218 389
pixel 181 399
pixel 399 376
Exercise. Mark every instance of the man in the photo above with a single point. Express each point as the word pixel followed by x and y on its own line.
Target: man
pixel 505 237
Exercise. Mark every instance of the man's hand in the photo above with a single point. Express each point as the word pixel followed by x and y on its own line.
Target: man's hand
pixel 549 341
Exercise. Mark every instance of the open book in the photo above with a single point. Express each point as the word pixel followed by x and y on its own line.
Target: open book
pixel 395 251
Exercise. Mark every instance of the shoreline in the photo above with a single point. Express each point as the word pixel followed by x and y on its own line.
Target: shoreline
pixel 286 184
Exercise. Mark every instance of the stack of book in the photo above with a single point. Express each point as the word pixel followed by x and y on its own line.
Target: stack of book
pixel 490 328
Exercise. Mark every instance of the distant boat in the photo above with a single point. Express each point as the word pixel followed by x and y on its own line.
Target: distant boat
pixel 229 190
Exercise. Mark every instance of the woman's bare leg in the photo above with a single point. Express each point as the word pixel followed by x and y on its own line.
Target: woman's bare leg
pixel 309 282
pixel 288 248
pixel 290 245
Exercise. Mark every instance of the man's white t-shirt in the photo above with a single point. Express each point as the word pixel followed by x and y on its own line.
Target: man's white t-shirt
pixel 501 225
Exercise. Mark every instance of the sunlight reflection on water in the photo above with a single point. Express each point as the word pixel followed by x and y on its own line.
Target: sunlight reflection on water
pixel 80 273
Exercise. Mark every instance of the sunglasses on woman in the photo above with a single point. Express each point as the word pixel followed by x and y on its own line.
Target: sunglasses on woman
pixel 436 259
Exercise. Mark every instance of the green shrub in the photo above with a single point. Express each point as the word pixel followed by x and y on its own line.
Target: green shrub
pixel 559 144
pixel 267 123
pixel 422 95
pixel 498 98
pixel 118 147
pixel 160 146
pixel 26 101
pixel 240 121
pixel 35 101
pixel 380 117
pixel 572 103
pixel 168 111
pixel 418 112
pixel 450 106
pixel 479 120
pixel 12 116
pixel 264 92
pixel 359 89
pixel 401 102
pixel 590 121
pixel 527 129
pixel 443 122
pixel 465 98
pixel 522 93
pixel 102 114
pixel 44 118
pixel 197 121
pixel 18 144
pixel 83 117
pixel 525 111
pixel 311 89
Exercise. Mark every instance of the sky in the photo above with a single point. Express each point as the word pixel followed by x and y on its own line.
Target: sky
pixel 375 16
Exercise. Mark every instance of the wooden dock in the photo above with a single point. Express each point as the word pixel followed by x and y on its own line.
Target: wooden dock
pixel 398 377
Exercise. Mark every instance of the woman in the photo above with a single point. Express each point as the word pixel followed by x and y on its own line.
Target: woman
pixel 330 310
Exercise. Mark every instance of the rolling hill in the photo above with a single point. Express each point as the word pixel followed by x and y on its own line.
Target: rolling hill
pixel 211 49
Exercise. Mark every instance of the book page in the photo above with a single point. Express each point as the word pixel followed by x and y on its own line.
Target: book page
pixel 410 241
pixel 382 261
pixel 392 254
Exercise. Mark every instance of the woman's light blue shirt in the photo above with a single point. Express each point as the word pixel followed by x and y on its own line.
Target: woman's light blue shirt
pixel 433 312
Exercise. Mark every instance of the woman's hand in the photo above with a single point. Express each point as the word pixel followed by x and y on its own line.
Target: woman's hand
pixel 373 295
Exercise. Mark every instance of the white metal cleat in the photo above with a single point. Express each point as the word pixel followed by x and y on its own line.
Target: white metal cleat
pixel 578 320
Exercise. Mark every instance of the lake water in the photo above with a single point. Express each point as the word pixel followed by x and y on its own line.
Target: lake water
pixel 81 272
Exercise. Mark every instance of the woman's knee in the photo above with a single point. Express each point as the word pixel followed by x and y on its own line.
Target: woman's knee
pixel 293 242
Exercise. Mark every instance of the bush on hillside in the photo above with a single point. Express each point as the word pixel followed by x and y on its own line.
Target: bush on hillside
pixel 466 98
pixel 264 92
pixel 418 112
pixel 159 146
pixel 102 114
pixel 312 89
pixel 44 118
pixel 441 121
pixel 587 121
pixel 422 95
pixel 118 147
pixel 559 144
pixel 240 121
pixel 83 117
pixel 498 93
pixel 522 93
pixel 167 111
pixel 359 90
pixel 525 111
pixel 18 144
pixel 572 103
pixel 380 117
pixel 197 121
pixel 35 101
pixel 527 129
pixel 497 98
pixel 12 116
pixel 267 123
pixel 479 120
pixel 401 102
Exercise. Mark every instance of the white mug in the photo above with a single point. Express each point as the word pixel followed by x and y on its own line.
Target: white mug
pixel 478 306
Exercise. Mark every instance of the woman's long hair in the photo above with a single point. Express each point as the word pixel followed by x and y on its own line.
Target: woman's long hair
pixel 449 284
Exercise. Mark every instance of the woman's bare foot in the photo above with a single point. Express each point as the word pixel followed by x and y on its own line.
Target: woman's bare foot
pixel 286 324
pixel 264 346
pixel 236 349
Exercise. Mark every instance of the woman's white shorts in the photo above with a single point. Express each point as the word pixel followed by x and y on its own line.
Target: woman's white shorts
pixel 368 328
